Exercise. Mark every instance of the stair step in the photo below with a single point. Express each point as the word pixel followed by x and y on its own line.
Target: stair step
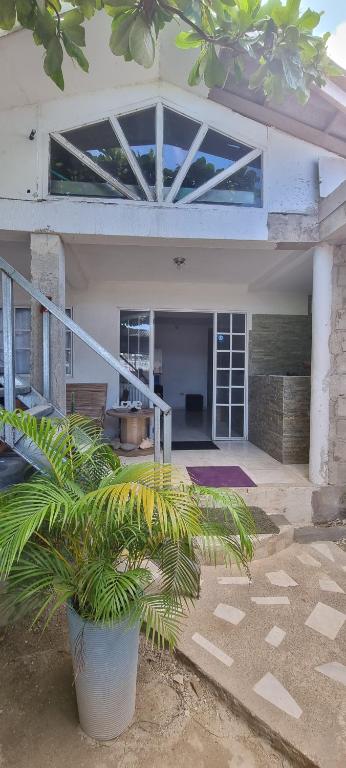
pixel 40 410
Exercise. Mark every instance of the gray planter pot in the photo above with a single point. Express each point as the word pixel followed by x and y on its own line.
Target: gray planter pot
pixel 105 659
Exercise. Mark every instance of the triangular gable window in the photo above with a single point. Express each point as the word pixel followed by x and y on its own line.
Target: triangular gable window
pixel 155 154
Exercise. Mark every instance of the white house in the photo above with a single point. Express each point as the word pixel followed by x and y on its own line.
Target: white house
pixel 199 237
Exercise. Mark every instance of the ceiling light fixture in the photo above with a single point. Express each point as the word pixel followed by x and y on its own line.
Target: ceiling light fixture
pixel 179 261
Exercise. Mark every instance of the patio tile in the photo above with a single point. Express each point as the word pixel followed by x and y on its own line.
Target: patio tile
pixel 275 636
pixel 334 670
pixel 323 548
pixel 270 688
pixel 212 649
pixel 229 613
pixel 279 600
pixel 281 579
pixel 329 585
pixel 326 620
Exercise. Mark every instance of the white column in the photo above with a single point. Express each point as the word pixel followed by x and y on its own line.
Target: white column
pixel 320 363
pixel 48 274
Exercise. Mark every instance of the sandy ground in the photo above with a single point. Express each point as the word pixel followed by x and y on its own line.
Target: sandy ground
pixel 179 721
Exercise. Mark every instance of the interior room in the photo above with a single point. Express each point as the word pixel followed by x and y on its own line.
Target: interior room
pixel 183 371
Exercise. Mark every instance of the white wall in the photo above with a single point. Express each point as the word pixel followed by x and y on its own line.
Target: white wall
pixel 290 170
pixel 184 345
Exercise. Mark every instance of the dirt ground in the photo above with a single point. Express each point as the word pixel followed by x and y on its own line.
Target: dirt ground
pixel 179 720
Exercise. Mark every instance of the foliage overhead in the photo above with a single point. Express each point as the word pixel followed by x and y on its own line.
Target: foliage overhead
pixel 271 44
pixel 117 542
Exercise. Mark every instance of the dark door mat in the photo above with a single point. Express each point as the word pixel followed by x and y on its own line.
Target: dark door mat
pixel 194 445
pixel 263 522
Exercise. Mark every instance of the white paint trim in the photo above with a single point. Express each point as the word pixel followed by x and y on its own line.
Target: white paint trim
pixel 159 151
pixel 187 162
pixel 320 363
pixel 133 162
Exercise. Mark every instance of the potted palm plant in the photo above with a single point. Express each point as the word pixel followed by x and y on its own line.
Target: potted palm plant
pixel 119 545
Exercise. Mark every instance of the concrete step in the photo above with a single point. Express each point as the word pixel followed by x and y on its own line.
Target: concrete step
pixel 295 502
pixel 41 410
pixel 309 533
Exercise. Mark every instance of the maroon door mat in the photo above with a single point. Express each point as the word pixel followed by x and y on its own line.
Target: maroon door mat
pixel 221 477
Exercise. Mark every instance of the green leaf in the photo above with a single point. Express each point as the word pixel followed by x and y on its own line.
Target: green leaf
pixel 186 40
pixel 26 13
pixel 75 52
pixel 309 20
pixel 195 73
pixel 76 34
pixel 53 61
pixel 214 72
pixel 141 42
pixel 72 19
pixel 119 40
pixel 45 28
pixel 292 11
pixel 7 14
pixel 88 8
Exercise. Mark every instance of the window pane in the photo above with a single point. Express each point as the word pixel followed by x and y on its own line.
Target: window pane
pixel 68 176
pixel 222 396
pixel 238 378
pixel 23 316
pixel 23 361
pixel 238 360
pixel 222 421
pixel 222 378
pixel 238 323
pixel 139 129
pixel 237 421
pixel 243 188
pixel 237 396
pixel 223 360
pixel 216 153
pixel 23 339
pixel 238 342
pixel 101 144
pixel 223 321
pixel 178 135
pixel 223 341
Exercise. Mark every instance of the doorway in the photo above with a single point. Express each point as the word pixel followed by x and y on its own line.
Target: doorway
pixel 183 371
pixel 195 361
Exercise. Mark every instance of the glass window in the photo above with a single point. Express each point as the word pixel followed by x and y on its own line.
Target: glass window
pixel 223 321
pixel 140 131
pixel 22 327
pixel 101 144
pixel 243 188
pixel 238 342
pixel 222 378
pixel 223 341
pixel 238 323
pixel 216 153
pixel 134 350
pixel 178 135
pixel 237 421
pixel 68 176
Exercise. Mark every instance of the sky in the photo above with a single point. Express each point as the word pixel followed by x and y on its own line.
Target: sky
pixel 334 21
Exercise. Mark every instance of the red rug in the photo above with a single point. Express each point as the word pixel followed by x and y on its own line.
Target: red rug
pixel 220 477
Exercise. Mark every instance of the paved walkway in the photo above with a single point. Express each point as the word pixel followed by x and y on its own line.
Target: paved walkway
pixel 277 646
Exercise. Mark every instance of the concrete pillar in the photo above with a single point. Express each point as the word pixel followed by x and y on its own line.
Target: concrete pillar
pixel 48 274
pixel 321 363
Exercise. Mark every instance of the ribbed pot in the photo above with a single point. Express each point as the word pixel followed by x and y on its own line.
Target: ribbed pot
pixel 105 659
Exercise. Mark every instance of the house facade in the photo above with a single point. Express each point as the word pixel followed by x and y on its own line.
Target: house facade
pixel 199 237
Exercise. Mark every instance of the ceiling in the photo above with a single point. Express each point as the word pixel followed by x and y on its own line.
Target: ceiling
pixel 260 269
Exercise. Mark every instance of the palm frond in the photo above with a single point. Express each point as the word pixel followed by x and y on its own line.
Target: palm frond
pixel 105 593
pixel 180 571
pixel 23 510
pixel 50 439
pixel 162 616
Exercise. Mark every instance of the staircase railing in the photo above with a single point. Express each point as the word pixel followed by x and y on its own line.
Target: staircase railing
pixel 10 276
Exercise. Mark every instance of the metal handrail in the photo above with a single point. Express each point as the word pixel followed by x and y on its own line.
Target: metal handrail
pixel 12 274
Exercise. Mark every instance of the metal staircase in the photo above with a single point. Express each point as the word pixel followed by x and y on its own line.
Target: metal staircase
pixel 14 387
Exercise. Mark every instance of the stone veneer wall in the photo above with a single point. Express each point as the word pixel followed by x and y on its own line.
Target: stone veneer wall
pixel 337 425
pixel 279 344
pixel 279 416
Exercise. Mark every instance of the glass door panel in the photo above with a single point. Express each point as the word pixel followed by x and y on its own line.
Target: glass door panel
pixel 135 351
pixel 229 407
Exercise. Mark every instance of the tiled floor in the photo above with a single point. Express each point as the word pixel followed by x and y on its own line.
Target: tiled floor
pixel 277 645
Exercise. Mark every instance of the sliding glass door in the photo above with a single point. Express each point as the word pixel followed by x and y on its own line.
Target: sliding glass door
pixel 229 402
pixel 136 351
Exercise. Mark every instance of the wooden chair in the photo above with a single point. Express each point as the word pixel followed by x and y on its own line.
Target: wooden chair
pixel 88 400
